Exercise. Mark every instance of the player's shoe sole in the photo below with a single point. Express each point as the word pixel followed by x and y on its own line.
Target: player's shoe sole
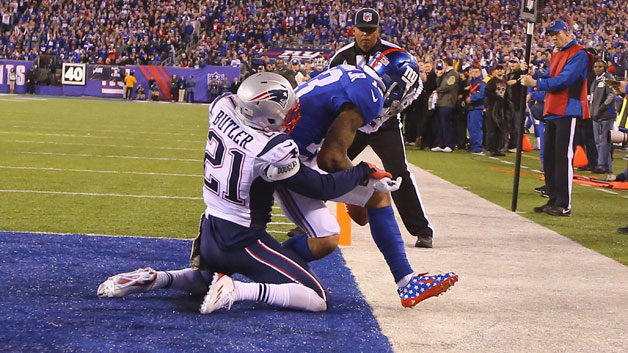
pixel 138 281
pixel 221 294
pixel 422 287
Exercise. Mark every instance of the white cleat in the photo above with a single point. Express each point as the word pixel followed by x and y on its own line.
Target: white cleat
pixel 221 294
pixel 138 281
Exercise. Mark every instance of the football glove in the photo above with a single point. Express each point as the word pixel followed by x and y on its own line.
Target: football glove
pixel 386 184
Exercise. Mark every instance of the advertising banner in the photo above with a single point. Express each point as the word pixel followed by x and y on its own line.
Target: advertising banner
pixel 107 80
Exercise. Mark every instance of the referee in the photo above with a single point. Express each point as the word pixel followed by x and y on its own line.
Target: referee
pixel 387 141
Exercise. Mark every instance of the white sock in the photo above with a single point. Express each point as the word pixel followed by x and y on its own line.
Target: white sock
pixel 285 295
pixel 405 280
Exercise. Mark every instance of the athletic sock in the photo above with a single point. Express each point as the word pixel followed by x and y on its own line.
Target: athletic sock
pixel 387 237
pixel 188 280
pixel 285 295
pixel 299 245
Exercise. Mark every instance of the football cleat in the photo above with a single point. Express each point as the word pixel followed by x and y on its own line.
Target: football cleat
pixel 138 281
pixel 422 286
pixel 221 294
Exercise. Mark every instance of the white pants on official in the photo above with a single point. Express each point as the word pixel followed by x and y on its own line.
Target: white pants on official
pixel 312 215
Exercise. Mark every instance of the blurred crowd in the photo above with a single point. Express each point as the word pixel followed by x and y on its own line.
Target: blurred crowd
pixel 190 33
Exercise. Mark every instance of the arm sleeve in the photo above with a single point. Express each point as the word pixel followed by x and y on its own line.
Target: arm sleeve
pixel 537 95
pixel 571 72
pixel 309 182
pixel 365 96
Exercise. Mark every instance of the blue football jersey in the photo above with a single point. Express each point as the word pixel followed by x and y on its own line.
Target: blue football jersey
pixel 321 98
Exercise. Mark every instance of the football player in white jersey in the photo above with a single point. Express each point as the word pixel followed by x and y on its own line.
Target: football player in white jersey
pixel 247 152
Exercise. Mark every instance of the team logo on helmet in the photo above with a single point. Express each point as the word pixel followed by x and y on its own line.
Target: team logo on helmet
pixel 279 96
pixel 367 16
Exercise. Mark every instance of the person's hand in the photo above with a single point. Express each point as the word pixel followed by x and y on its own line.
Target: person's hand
pixel 511 82
pixel 387 185
pixel 377 172
pixel 527 80
pixel 524 65
pixel 528 97
pixel 468 100
pixel 620 87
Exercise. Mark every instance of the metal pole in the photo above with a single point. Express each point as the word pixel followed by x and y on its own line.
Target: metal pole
pixel 522 117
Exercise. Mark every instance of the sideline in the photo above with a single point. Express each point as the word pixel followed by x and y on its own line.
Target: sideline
pixel 522 287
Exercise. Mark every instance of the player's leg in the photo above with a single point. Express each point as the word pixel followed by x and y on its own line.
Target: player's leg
pixel 279 277
pixel 412 287
pixel 147 279
pixel 388 145
pixel 312 216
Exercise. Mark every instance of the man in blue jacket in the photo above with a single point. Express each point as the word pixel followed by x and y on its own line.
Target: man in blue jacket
pixel 475 103
pixel 565 101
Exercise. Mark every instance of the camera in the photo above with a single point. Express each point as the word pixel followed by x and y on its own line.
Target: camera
pixel 615 136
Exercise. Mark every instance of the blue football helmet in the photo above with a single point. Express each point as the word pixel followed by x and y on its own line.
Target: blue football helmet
pixel 400 82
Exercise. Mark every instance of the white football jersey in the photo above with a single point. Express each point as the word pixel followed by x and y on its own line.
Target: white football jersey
pixel 236 155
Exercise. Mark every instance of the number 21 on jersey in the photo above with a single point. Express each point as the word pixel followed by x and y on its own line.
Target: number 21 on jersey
pixel 216 172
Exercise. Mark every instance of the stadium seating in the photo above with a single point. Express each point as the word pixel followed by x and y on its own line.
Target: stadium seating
pixel 191 33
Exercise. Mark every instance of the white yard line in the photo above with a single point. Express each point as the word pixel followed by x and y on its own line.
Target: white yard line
pixel 103 145
pixel 101 194
pixel 108 156
pixel 100 171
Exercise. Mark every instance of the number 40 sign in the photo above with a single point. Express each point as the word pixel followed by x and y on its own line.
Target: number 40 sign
pixel 73 74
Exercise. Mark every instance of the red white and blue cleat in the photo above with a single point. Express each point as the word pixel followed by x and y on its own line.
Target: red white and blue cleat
pixel 422 286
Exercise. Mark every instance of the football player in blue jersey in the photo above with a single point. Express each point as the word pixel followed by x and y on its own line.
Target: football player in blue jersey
pixel 334 105
pixel 247 152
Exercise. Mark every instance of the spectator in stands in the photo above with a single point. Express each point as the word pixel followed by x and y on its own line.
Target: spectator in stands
pixel 603 115
pixel 461 109
pixel 190 88
pixel 447 91
pixel 174 88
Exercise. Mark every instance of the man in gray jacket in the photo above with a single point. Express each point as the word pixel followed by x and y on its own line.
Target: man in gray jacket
pixel 603 116
pixel 447 91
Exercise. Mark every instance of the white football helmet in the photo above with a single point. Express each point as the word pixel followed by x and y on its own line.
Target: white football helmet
pixel 266 101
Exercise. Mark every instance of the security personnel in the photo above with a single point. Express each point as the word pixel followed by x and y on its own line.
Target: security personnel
pixel 387 141
pixel 565 84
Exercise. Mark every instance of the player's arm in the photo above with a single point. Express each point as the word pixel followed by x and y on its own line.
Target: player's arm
pixel 333 154
pixel 285 168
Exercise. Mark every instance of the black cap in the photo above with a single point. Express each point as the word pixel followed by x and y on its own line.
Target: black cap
pixel 366 17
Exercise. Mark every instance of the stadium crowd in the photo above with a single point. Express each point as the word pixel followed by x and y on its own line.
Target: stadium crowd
pixel 227 32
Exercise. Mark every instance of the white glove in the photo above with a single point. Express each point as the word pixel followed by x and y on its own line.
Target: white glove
pixel 386 185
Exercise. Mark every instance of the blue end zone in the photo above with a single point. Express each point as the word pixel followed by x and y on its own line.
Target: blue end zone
pixel 48 289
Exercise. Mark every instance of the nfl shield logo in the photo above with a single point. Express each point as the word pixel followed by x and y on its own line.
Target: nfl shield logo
pixel 367 16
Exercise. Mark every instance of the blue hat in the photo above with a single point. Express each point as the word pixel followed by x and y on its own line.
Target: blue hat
pixel 557 26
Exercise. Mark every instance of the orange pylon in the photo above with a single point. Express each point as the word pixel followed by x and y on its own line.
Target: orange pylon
pixel 580 158
pixel 526 146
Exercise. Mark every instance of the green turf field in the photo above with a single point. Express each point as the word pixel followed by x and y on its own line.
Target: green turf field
pixel 128 168
pixel 102 167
